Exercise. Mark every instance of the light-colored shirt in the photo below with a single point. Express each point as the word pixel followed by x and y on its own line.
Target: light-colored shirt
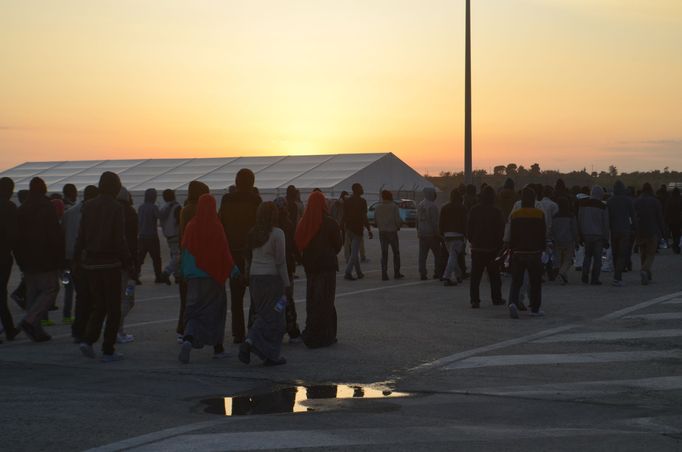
pixel 270 259
pixel 387 216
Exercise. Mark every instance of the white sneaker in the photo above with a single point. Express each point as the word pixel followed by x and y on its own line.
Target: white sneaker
pixel 179 338
pixel 124 338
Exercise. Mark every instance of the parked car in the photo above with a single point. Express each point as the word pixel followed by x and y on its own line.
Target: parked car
pixel 408 212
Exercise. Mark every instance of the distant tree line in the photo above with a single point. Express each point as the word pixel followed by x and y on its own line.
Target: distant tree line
pixel 534 174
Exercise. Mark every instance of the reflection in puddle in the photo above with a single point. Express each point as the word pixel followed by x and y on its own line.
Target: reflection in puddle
pixel 291 399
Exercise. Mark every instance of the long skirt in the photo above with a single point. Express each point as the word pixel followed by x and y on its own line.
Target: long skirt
pixel 205 312
pixel 320 323
pixel 269 326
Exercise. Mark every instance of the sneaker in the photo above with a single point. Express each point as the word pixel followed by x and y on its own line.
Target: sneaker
pixel 423 277
pixel 87 350
pixel 179 338
pixel 221 355
pixel 449 283
pixel 349 277
pixel 47 322
pixel 245 353
pixel 361 275
pixel 124 338
pixel 276 362
pixel 67 321
pixel 185 350
pixel 513 311
pixel 644 277
pixel 28 329
pixel 537 314
pixel 295 340
pixel 617 283
pixel 522 307
pixel 475 304
pixel 398 276
pixel 111 358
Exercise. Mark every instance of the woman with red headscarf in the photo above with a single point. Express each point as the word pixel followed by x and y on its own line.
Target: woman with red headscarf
pixel 318 237
pixel 206 266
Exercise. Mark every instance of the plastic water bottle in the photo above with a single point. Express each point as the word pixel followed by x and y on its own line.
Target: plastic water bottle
pixel 66 277
pixel 281 304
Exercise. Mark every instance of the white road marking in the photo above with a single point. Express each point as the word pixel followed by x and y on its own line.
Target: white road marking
pixel 580 389
pixel 657 316
pixel 290 439
pixel 674 301
pixel 623 312
pixel 609 336
pixel 562 358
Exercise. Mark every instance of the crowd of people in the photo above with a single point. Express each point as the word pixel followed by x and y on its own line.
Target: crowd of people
pixel 95 248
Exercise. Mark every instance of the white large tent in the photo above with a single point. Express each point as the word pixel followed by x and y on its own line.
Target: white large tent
pixel 330 173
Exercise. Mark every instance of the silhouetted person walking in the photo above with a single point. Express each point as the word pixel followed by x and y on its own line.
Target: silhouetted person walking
pixel 452 226
pixel 148 219
pixel 8 235
pixel 387 217
pixel 622 221
pixel 593 226
pixel 673 217
pixel 427 231
pixel 354 223
pixel 650 230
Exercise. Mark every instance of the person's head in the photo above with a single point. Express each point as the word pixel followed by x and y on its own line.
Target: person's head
pixel 6 188
pixel 109 184
pixel 471 190
pixel 547 191
pixel 462 189
pixel 429 193
pixel 70 192
pixel 37 187
pixel 206 208
pixel 488 195
pixel 597 193
pixel 291 192
pixel 245 179
pixel 560 186
pixel 91 192
pixel 509 184
pixel 282 207
pixel 386 195
pixel 528 197
pixel 168 195
pixel 344 195
pixel 232 189
pixel 150 195
pixel 564 206
pixel 647 189
pixel 357 189
pixel 195 189
pixel 314 190
pixel 22 195
pixel 266 219
pixel 619 188
pixel 455 196
pixel 675 193
pixel 56 196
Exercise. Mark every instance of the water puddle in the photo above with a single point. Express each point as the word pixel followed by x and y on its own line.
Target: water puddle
pixel 293 399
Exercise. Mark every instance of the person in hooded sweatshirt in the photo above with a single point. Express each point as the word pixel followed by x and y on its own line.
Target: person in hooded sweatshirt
pixel 622 221
pixel 673 217
pixel 238 215
pixel 148 218
pixel 8 233
pixel 40 253
pixel 452 226
pixel 485 230
pixel 564 236
pixel 194 191
pixel 427 231
pixel 506 198
pixel 593 227
pixel 650 229
pixel 71 224
pixel 102 252
pixel 169 216
pixel 127 282
pixel 206 265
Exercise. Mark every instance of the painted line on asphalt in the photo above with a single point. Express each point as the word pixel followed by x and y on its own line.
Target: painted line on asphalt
pixel 609 336
pixel 562 358
pixel 674 301
pixel 623 312
pixel 657 316
pixel 579 389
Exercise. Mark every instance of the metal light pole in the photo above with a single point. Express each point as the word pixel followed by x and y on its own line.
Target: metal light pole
pixel 468 176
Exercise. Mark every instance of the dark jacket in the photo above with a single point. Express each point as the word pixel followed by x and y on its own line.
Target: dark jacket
pixel 506 199
pixel 593 219
pixel 130 221
pixel 320 254
pixel 528 230
pixel 453 219
pixel 355 214
pixel 40 240
pixel 564 230
pixel 485 228
pixel 148 214
pixel 621 211
pixel 673 209
pixel 238 215
pixel 101 242
pixel 649 216
pixel 8 227
pixel 291 251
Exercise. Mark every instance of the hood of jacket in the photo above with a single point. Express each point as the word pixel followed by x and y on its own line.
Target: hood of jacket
pixel 619 188
pixel 150 195
pixel 430 193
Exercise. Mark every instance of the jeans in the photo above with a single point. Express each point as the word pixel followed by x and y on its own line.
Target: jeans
pixel 531 263
pixel 173 263
pixel 480 261
pixel 5 315
pixel 621 254
pixel 347 244
pixel 105 289
pixel 593 251
pixel 41 292
pixel 387 239
pixel 152 246
pixel 427 244
pixel 354 261
pixel 455 247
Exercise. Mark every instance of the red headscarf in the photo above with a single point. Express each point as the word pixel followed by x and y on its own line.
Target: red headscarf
pixel 311 221
pixel 205 239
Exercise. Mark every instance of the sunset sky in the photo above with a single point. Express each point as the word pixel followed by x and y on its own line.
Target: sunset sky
pixel 565 83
